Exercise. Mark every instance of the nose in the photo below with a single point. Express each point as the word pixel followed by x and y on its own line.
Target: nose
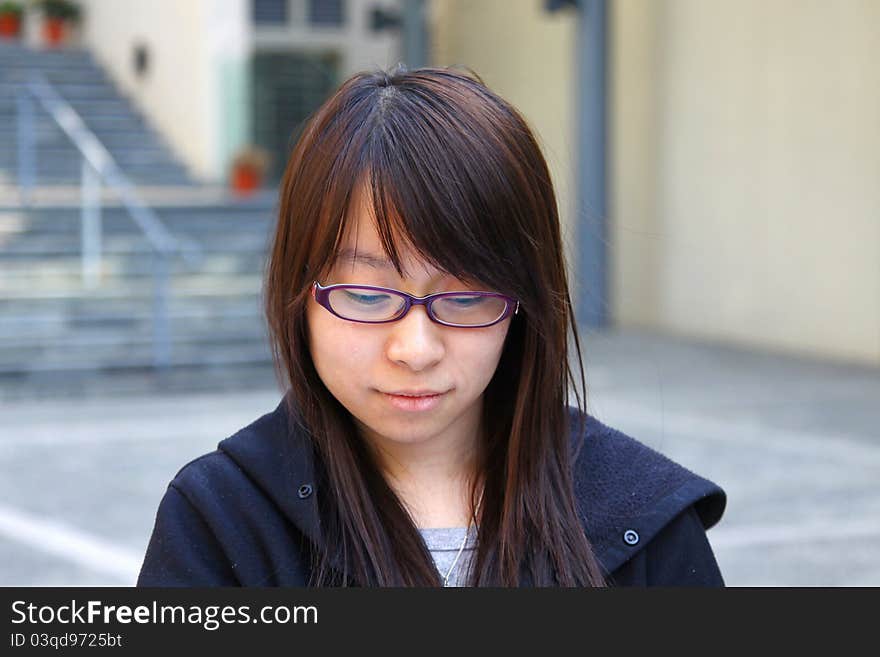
pixel 416 341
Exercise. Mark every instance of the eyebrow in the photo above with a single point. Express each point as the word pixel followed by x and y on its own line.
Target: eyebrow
pixel 371 260
pixel 374 261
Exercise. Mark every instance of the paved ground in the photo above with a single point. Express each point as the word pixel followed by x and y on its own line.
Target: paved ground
pixel 794 442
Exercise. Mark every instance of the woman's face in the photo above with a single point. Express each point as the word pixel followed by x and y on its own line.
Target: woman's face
pixel 359 362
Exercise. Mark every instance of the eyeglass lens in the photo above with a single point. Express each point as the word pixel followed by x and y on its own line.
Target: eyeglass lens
pixel 372 306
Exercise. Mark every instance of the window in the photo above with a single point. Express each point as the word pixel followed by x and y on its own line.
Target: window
pixel 269 12
pixel 326 12
pixel 287 88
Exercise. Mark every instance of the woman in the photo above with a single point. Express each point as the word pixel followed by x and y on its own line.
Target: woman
pixel 426 440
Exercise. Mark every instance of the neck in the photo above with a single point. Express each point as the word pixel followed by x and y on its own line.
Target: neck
pixel 432 478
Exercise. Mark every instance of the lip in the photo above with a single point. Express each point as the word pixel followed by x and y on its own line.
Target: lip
pixel 416 393
pixel 422 403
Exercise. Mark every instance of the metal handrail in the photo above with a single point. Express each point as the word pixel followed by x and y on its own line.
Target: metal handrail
pixel 99 166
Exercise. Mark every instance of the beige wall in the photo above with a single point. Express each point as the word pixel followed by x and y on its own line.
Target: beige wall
pixel 745 168
pixel 635 241
pixel 188 43
pixel 197 91
pixel 526 55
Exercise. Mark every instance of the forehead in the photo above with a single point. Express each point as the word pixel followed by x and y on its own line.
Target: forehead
pixel 361 245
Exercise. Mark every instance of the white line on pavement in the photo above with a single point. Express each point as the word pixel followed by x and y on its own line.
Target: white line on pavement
pixel 70 544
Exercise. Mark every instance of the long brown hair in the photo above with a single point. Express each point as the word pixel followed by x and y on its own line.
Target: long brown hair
pixel 455 170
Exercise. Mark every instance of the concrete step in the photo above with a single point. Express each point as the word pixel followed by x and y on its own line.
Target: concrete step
pixel 60 70
pixel 60 61
pixel 159 197
pixel 48 132
pixel 26 273
pixel 95 89
pixel 58 217
pixel 243 313
pixel 70 168
pixel 134 355
pixel 194 225
pixel 18 54
pixel 82 309
pixel 84 106
pixel 45 60
pixel 71 165
pixel 118 144
pixel 108 103
pixel 128 245
pixel 107 334
pixel 98 121
pixel 68 160
pixel 138 177
pixel 193 284
pixel 46 157
pixel 86 75
pixel 261 205
pixel 69 245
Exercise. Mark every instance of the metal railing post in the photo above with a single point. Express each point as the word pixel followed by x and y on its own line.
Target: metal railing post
pixel 27 169
pixel 161 321
pixel 99 168
pixel 90 225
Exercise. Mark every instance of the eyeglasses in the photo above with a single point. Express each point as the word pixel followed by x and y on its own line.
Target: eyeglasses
pixel 377 305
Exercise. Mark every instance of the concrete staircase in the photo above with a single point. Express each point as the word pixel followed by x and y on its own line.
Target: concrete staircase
pixel 136 147
pixel 50 323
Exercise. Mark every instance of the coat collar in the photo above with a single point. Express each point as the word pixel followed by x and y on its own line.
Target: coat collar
pixel 625 491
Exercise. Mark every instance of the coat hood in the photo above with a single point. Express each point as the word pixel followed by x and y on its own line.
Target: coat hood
pixel 626 492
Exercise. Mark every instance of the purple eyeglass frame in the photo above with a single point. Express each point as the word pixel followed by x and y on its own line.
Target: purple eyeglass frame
pixel 321 294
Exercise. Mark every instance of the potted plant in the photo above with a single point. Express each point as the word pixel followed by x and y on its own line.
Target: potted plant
pixel 10 19
pixel 57 16
pixel 249 167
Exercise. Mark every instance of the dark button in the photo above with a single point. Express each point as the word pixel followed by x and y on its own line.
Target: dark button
pixel 304 491
pixel 630 537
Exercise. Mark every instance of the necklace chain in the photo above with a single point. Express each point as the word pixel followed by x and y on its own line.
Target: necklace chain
pixel 463 542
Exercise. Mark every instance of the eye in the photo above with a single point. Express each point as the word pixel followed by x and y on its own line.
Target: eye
pixel 466 302
pixel 366 299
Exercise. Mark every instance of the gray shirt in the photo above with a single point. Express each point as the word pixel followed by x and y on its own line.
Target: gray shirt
pixel 444 544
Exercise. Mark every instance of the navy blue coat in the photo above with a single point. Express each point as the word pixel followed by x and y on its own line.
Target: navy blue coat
pixel 246 515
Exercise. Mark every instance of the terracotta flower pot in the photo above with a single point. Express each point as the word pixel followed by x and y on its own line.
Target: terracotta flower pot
pixel 53 30
pixel 10 25
pixel 244 180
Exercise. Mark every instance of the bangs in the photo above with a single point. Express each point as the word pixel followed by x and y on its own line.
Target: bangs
pixel 400 226
pixel 424 195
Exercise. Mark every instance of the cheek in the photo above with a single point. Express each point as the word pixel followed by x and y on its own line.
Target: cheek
pixel 336 348
pixel 478 359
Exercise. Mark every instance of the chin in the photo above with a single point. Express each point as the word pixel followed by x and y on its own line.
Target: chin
pixel 410 431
